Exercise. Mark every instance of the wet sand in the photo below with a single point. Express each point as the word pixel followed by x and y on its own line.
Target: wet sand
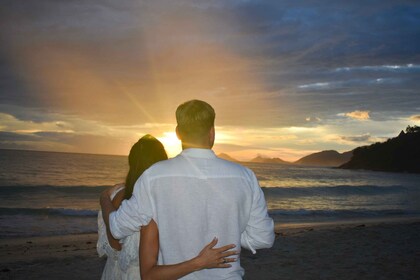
pixel 384 250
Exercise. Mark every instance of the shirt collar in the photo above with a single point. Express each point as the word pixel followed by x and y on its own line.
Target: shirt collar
pixel 198 153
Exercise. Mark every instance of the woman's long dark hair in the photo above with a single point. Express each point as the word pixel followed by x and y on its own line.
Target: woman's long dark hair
pixel 146 152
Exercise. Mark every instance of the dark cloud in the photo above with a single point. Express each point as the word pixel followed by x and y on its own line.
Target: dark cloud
pixel 16 137
pixel 55 136
pixel 61 141
pixel 349 28
pixel 133 61
pixel 357 138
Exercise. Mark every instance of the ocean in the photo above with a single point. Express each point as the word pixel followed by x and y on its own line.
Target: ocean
pixel 47 193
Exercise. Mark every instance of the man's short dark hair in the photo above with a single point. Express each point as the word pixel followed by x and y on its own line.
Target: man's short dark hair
pixel 195 118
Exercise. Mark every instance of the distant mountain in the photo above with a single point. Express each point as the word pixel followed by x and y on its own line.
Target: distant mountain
pixel 325 158
pixel 268 160
pixel 399 154
pixel 227 157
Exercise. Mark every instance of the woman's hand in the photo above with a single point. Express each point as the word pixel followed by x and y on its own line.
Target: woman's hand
pixel 211 257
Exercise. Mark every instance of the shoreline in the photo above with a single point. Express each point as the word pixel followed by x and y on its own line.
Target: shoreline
pixel 278 226
pixel 359 250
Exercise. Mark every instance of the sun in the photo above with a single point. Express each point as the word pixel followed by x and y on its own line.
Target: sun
pixel 171 143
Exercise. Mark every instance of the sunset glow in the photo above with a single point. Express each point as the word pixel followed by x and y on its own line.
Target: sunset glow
pixel 289 80
pixel 171 142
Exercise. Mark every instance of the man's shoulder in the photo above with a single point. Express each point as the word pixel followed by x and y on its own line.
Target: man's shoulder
pixel 234 168
pixel 164 168
pixel 231 164
pixel 162 165
pixel 178 165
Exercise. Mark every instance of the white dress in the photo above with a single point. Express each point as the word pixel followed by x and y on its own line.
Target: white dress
pixel 122 264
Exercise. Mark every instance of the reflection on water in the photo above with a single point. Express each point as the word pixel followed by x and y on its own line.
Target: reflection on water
pixel 70 184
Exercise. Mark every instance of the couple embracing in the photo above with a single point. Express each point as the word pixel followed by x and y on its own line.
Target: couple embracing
pixel 185 217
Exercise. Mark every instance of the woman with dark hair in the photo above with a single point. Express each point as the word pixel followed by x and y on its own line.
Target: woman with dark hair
pixel 123 255
pixel 146 152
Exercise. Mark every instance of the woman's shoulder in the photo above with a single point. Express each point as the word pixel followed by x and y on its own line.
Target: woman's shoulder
pixel 118 195
pixel 119 186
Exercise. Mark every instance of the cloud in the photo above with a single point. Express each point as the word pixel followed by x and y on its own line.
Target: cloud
pixel 393 68
pixel 325 86
pixel 320 85
pixel 161 60
pixel 357 138
pixel 6 136
pixel 358 115
pixel 66 133
pixel 64 142
pixel 415 118
pixel 59 59
pixel 312 119
pixel 267 67
pixel 10 123
pixel 366 138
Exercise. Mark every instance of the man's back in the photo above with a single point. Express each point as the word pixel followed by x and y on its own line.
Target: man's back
pixel 196 197
pixel 193 198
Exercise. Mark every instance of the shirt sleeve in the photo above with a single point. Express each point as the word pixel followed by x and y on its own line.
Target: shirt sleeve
pixel 134 212
pixel 259 232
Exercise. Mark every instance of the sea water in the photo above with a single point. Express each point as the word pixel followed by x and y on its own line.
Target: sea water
pixel 46 193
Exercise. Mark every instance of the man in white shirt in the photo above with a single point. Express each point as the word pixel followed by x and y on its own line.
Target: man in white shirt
pixel 195 197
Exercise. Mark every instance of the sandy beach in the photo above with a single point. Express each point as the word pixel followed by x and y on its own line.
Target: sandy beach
pixel 375 250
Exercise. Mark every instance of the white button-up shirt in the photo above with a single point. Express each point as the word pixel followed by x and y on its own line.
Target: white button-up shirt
pixel 193 198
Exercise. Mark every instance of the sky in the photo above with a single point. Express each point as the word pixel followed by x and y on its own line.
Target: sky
pixel 286 78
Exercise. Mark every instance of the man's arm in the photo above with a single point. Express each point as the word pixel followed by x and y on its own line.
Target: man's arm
pixel 131 215
pixel 259 232
pixel 116 202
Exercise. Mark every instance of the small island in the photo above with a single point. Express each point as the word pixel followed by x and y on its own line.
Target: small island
pixel 261 159
pixel 330 158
